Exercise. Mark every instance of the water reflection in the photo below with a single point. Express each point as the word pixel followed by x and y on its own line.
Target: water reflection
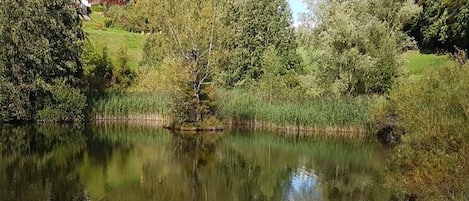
pixel 38 164
pixel 124 162
pixel 303 186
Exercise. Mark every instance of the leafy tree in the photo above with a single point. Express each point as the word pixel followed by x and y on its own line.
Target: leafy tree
pixel 442 25
pixel 254 26
pixel 41 43
pixel 274 84
pixel 357 45
pixel 188 31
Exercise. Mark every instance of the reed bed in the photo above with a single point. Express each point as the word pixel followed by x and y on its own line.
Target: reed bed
pixel 312 113
pixel 245 108
pixel 130 105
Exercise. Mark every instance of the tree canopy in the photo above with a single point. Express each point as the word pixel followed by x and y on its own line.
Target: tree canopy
pixel 357 45
pixel 41 46
pixel 255 26
pixel 186 48
pixel 442 26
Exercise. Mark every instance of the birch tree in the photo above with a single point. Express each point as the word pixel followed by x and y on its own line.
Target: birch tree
pixel 185 43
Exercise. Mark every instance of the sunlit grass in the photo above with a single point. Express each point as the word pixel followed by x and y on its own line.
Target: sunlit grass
pixel 330 112
pixel 417 63
pixel 114 39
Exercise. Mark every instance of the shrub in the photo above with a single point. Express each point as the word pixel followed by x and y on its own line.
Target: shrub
pixel 122 75
pixel 108 22
pixel 98 69
pixel 358 46
pixel 431 162
pixel 130 17
pixel 98 8
pixel 65 104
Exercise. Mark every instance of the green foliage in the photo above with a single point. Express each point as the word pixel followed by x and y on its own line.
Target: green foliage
pixel 101 73
pixel 254 26
pixel 131 17
pixel 98 8
pixel 65 104
pixel 98 69
pixel 442 25
pixel 122 76
pixel 156 50
pixel 275 84
pixel 357 45
pixel 108 22
pixel 43 44
pixel 272 82
pixel 187 49
pixel 431 162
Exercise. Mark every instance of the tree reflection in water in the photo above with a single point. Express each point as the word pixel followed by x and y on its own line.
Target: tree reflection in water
pixel 31 156
pixel 122 162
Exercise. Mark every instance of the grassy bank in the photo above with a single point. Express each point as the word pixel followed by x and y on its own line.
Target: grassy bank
pixel 249 107
pixel 114 39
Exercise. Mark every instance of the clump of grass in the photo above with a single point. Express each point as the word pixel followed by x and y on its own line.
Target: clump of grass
pixel 129 103
pixel 327 112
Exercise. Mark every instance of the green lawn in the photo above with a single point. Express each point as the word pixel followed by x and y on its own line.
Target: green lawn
pixel 417 63
pixel 114 39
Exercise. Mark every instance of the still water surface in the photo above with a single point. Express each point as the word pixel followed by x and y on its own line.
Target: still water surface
pixel 132 163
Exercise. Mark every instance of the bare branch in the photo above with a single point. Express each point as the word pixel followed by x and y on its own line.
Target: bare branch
pixel 176 38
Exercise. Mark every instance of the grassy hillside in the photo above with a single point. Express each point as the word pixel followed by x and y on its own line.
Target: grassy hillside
pixel 418 63
pixel 114 39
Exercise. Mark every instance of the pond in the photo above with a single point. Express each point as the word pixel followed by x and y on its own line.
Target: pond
pixel 128 162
